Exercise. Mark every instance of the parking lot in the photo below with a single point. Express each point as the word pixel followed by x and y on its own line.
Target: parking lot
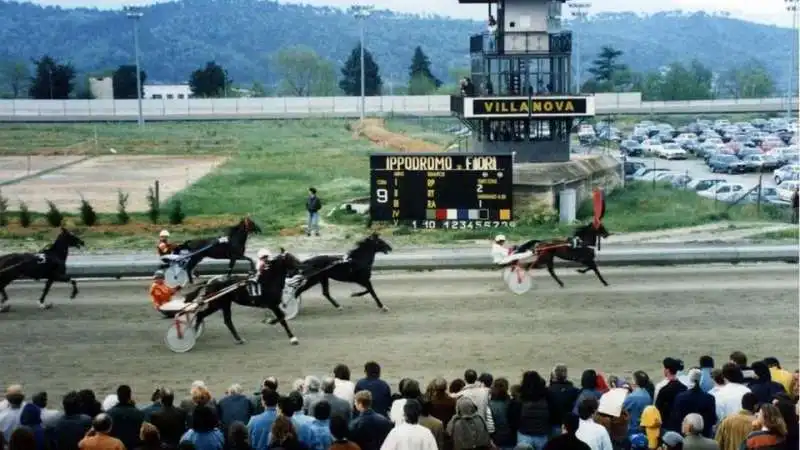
pixel 697 169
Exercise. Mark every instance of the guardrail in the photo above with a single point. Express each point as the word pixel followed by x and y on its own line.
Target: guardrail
pixel 473 259
pixel 339 107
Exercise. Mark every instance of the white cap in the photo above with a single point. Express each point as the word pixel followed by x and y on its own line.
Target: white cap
pixel 499 238
pixel 164 233
pixel 263 253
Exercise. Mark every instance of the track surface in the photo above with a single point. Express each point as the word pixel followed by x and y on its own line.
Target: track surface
pixel 440 323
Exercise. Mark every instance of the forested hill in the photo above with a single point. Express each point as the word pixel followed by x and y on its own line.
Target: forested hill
pixel 177 38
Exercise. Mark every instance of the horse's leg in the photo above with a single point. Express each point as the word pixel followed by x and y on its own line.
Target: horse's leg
pixel 280 317
pixel 63 278
pixel 368 284
pixel 227 318
pixel 3 306
pixel 592 265
pixel 584 270
pixel 550 266
pixel 326 291
pixel 47 285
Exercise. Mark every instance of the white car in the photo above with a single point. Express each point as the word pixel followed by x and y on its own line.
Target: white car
pixel 786 190
pixel 671 151
pixel 702 184
pixel 722 191
pixel 648 173
pixel 787 172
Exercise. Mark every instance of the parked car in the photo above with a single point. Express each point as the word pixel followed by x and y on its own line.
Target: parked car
pixel 760 163
pixel 648 173
pixel 726 163
pixel 681 180
pixel 786 190
pixel 787 172
pixel 631 148
pixel 671 151
pixel 701 184
pixel 768 195
pixel 631 167
pixel 722 191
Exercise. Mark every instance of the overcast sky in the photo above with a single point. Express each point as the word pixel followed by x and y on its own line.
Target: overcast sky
pixel 764 11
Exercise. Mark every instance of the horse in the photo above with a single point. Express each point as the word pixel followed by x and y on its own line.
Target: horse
pixel 231 247
pixel 356 268
pixel 50 264
pixel 586 237
pixel 269 294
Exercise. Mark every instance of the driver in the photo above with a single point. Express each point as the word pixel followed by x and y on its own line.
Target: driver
pixel 499 250
pixel 160 293
pixel 164 247
pixel 263 260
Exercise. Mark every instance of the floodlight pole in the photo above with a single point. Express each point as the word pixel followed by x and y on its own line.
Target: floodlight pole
pixel 361 12
pixel 579 12
pixel 792 7
pixel 135 15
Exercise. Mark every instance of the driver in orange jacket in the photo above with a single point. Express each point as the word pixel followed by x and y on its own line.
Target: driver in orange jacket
pixel 160 293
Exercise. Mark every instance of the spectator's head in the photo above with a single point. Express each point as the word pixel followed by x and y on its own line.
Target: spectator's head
pixel 465 407
pixel 486 379
pixel 23 439
pixel 587 407
pixel 716 375
pixel 671 367
pixel 71 403
pixel 31 415
pixel 641 379
pixel 499 389
pixel 282 430
pixel 772 361
pixel 270 383
pixel 692 425
pixel 706 362
pixel 235 389
pixel 372 370
pixel 515 391
pixel 589 379
pixel 672 441
pixel 312 191
pixel 470 376
pixel 457 386
pixel 286 406
pixel 411 390
pixel 269 398
pixel 694 377
pixel 203 419
pixel 571 422
pixel 363 400
pixel 297 401
pixel 237 435
pixel 102 423
pixel 559 374
pixel 411 411
pixel 769 417
pixel 338 427
pixel 40 399
pixel 312 384
pixel 761 370
pixel 197 384
pixel 322 410
pixel 341 372
pixel 533 386
pixel 732 373
pixel 201 396
pixel 14 395
pixel 167 397
pixel 328 384
pixel 124 395
pixel 437 388
pixel 155 397
pixel 298 385
pixel 149 435
pixel 750 402
pixel 738 358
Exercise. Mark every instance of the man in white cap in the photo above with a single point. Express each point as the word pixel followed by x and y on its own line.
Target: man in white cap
pixel 263 260
pixel 499 250
pixel 164 247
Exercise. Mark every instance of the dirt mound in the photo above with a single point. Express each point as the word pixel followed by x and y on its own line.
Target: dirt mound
pixel 375 130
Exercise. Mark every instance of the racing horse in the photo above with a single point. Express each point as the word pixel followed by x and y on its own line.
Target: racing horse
pixel 268 294
pixel 231 247
pixel 579 248
pixel 50 264
pixel 356 268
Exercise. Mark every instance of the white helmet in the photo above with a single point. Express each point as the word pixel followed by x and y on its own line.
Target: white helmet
pixel 500 238
pixel 263 253
pixel 164 233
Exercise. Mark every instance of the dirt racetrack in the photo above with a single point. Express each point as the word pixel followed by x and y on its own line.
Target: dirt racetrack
pixel 440 323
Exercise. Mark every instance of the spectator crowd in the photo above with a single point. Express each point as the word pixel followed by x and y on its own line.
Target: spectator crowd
pixel 733 407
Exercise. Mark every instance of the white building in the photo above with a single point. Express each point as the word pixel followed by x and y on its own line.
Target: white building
pixel 167 91
pixel 102 88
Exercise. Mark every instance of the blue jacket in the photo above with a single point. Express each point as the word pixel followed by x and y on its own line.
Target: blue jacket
pixel 585 393
pixel 369 430
pixel 381 394
pixel 232 408
pixel 259 427
pixel 209 440
pixel 706 382
pixel 694 401
pixel 321 438
pixel 634 404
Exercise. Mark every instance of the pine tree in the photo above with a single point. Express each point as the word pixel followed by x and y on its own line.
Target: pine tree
pixel 420 74
pixel 351 74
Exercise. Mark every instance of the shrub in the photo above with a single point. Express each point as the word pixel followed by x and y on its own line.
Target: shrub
pixel 25 218
pixel 153 208
pixel 123 217
pixel 53 216
pixel 3 211
pixel 88 216
pixel 176 214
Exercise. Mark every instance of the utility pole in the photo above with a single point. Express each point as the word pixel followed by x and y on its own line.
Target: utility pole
pixel 580 10
pixel 135 14
pixel 361 13
pixel 792 7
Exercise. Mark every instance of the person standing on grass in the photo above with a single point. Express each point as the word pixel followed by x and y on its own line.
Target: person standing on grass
pixel 313 205
pixel 795 204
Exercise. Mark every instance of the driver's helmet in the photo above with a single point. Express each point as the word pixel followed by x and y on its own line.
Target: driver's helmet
pixel 163 234
pixel 263 253
pixel 158 275
pixel 500 238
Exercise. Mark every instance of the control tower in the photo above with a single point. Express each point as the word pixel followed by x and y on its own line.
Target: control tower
pixel 520 97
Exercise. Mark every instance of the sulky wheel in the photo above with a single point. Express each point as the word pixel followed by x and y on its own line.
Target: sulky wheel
pixel 519 281
pixel 180 341
pixel 175 276
pixel 289 304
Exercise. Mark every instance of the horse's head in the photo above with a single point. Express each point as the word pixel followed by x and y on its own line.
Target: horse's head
pixel 69 239
pixel 283 263
pixel 249 226
pixel 591 235
pixel 375 244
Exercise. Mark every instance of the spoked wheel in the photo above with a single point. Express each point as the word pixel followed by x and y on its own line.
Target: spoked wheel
pixel 175 276
pixel 289 304
pixel 518 280
pixel 180 337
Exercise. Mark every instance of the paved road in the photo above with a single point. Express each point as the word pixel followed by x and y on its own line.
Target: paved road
pixel 440 323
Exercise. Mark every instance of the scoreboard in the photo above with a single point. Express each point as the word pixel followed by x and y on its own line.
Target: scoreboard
pixel 442 190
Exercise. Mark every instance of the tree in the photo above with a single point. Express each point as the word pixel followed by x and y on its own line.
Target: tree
pixel 14 75
pixel 51 80
pixel 209 81
pixel 258 90
pixel 749 81
pixel 124 81
pixel 304 73
pixel 686 83
pixel 351 74
pixel 421 80
pixel 608 75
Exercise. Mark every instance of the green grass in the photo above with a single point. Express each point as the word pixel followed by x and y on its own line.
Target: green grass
pixel 782 235
pixel 431 129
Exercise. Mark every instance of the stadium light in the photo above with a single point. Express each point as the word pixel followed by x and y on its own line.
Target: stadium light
pixel 792 7
pixel 135 14
pixel 580 10
pixel 361 13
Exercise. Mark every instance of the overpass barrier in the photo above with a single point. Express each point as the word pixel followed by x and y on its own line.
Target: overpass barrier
pixel 104 267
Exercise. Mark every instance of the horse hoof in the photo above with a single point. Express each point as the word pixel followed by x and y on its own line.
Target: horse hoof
pixel 272 321
pixel 5 308
pixel 385 309
pixel 339 308
pixel 45 306
pixel 294 341
pixel 241 341
pixel 72 296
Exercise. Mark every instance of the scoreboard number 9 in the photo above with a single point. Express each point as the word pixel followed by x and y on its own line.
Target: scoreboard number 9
pixel 382 195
